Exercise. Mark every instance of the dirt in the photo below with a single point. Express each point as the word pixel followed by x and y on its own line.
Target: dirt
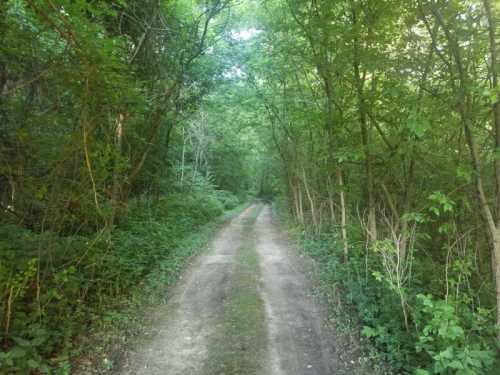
pixel 246 307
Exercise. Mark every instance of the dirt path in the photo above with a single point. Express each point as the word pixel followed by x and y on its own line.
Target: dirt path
pixel 243 308
pixel 299 341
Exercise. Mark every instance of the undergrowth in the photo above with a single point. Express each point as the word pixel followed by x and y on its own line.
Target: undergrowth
pixel 67 297
pixel 444 336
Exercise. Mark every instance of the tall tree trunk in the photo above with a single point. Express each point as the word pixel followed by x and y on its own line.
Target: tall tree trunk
pixel 491 228
pixel 465 112
pixel 492 27
pixel 359 80
pixel 296 209
pixel 312 205
pixel 183 157
pixel 301 206
pixel 331 201
pixel 343 213
pixel 115 190
pixel 495 110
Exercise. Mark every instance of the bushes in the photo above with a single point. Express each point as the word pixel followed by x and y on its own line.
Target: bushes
pixel 45 279
pixel 445 335
pixel 38 288
pixel 454 338
pixel 228 199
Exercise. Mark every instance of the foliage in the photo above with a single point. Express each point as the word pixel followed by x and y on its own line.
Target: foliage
pixel 127 124
pixel 106 272
pixel 99 180
pixel 383 132
pixel 451 347
pixel 449 335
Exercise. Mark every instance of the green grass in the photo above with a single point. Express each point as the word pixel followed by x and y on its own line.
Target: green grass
pixel 239 343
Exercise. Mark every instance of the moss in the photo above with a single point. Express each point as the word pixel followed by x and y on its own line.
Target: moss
pixel 239 343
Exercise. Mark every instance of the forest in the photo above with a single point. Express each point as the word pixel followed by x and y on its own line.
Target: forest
pixel 130 130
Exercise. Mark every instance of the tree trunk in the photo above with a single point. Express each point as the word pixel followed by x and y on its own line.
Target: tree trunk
pixel 183 158
pixel 331 202
pixel 115 191
pixel 495 110
pixel 343 214
pixel 359 80
pixel 465 111
pixel 311 202
pixel 301 207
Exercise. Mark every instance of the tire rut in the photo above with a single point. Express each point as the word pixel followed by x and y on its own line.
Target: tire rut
pixel 297 340
pixel 300 340
pixel 180 345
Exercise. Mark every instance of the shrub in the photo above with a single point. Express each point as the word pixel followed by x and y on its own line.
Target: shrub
pixel 46 278
pixel 453 342
pixel 228 199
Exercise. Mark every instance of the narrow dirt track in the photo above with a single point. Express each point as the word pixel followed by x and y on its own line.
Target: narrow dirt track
pixel 292 336
pixel 299 341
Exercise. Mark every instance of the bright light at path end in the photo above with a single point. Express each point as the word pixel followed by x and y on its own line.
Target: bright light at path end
pixel 245 34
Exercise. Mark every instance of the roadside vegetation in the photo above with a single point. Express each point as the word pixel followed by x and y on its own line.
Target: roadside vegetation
pixel 384 119
pixel 111 175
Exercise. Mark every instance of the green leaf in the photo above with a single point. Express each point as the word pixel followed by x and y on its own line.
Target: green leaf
pixel 22 342
pixel 369 332
pixel 455 364
pixel 33 364
pixel 464 174
pixel 17 352
pixel 377 275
